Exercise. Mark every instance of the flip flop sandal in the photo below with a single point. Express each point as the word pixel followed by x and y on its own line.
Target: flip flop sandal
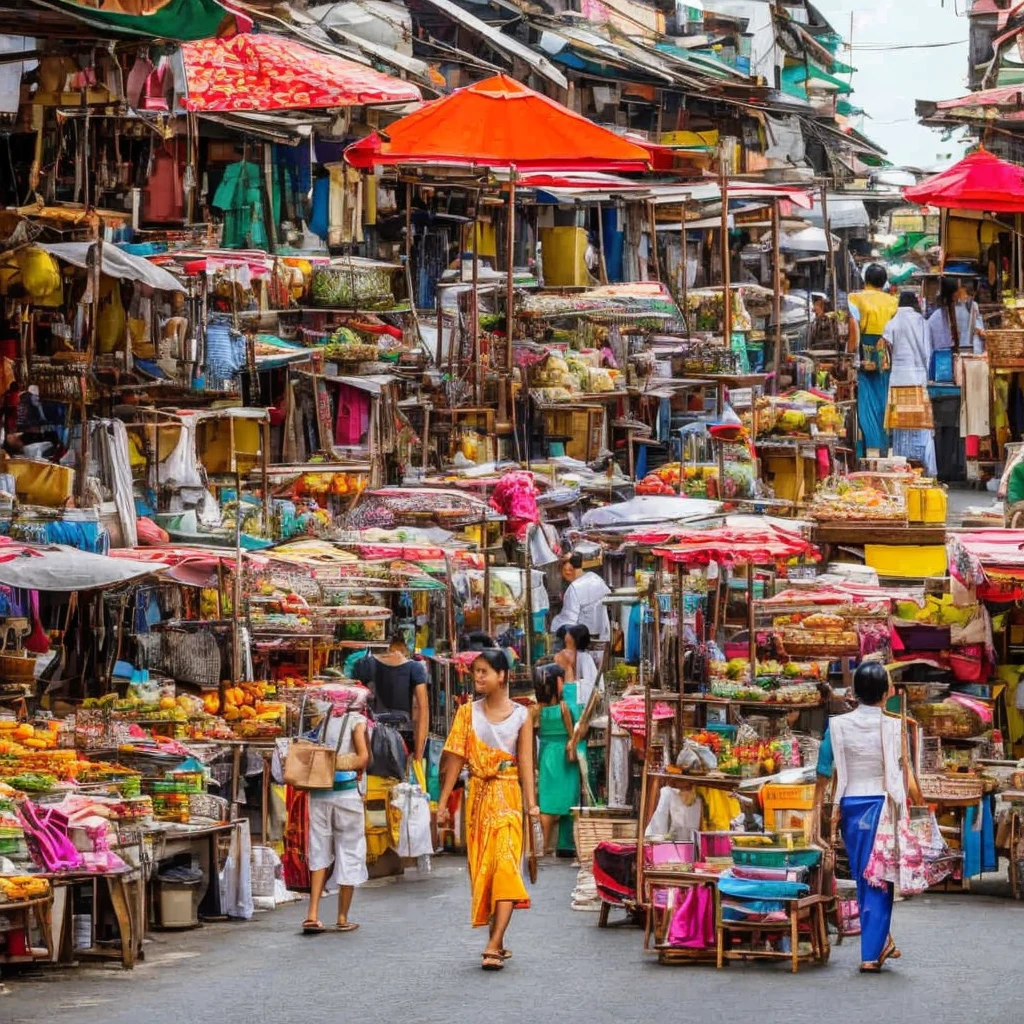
pixel 311 927
pixel 348 926
pixel 492 961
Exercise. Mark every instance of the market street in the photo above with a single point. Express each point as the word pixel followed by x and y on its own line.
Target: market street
pixel 415 959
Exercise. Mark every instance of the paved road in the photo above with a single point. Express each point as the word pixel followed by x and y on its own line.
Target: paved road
pixel 415 959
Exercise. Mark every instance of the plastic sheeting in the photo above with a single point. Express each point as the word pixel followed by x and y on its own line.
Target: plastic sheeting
pixel 63 569
pixel 650 509
pixel 115 262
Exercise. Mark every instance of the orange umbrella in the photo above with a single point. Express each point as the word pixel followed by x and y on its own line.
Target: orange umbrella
pixel 498 123
pixel 254 71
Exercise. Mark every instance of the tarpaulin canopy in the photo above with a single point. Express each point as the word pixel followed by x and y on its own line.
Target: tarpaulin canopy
pixel 115 262
pixel 181 20
pixel 63 569
pixel 980 181
pixel 761 545
pixel 265 72
pixel 498 123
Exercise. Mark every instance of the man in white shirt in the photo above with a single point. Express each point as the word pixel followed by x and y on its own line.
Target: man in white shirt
pixel 583 601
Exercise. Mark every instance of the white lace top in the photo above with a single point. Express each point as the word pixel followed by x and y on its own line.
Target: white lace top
pixel 867 747
pixel 500 735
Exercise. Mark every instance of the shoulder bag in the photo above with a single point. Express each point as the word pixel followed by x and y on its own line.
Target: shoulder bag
pixel 310 765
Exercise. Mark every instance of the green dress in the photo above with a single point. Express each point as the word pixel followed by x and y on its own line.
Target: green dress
pixel 558 777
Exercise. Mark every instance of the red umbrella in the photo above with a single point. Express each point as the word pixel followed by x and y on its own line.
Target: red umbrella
pixel 498 123
pixel 254 71
pixel 980 181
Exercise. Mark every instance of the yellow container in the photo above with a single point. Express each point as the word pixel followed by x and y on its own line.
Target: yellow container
pixel 907 560
pixel 935 502
pixel 915 504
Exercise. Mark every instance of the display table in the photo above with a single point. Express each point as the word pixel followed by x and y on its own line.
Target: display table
pixel 113 897
pixel 41 910
pixel 202 842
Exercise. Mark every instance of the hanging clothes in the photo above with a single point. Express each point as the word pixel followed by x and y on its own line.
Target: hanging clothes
pixel 240 197
pixel 163 198
pixel 352 422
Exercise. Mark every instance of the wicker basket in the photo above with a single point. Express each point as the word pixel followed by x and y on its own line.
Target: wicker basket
pixel 949 787
pixel 1005 349
pixel 593 825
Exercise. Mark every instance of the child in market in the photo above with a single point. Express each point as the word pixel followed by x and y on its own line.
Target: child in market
pixel 494 737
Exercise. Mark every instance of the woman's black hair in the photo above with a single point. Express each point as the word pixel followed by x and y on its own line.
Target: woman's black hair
pixel 546 684
pixel 876 275
pixel 908 300
pixel 580 635
pixel 949 287
pixel 496 658
pixel 871 683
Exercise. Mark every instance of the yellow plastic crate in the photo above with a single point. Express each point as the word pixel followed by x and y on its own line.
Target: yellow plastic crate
pixel 907 560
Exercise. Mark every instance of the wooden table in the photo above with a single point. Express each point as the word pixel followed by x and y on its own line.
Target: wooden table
pixel 120 897
pixel 41 909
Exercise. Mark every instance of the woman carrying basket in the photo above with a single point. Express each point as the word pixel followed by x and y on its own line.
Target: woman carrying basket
pixel 494 737
pixel 867 750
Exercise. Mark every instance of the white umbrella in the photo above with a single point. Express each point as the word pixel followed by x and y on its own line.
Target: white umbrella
pixel 64 569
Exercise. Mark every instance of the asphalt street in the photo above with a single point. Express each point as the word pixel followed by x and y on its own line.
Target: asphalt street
pixel 415 958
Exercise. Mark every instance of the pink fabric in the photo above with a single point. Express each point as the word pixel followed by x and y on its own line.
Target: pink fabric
pixel 515 496
pixel 353 419
pixel 693 924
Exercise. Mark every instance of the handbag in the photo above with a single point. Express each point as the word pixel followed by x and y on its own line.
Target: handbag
pixel 310 765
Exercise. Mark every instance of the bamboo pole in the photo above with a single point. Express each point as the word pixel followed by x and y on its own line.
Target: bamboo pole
pixel 723 178
pixel 602 265
pixel 474 316
pixel 776 296
pixel 510 284
pixel 833 280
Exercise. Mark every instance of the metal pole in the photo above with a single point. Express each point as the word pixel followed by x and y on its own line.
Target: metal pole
pixel 776 296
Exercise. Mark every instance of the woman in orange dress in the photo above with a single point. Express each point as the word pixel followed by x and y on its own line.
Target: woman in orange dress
pixel 493 736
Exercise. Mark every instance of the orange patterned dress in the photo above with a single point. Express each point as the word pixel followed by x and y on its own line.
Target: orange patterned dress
pixel 494 808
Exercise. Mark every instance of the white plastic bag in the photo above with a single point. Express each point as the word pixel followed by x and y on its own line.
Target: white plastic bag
pixel 414 838
pixel 236 876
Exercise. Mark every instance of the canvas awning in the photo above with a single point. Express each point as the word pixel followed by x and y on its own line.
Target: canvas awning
pixel 498 123
pixel 116 262
pixel 980 181
pixel 265 72
pixel 180 20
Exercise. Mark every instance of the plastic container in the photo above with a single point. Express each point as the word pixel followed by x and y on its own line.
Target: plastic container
pixel 775 857
pixel 178 895
pixel 936 505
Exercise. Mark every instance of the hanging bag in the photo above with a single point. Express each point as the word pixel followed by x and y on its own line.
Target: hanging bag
pixel 310 765
pixel 389 756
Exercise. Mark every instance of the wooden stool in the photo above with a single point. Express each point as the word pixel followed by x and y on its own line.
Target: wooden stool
pixel 809 910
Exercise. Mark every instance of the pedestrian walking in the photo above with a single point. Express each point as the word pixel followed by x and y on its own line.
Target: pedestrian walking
pixel 867 750
pixel 558 774
pixel 337 824
pixel 493 736
pixel 870 312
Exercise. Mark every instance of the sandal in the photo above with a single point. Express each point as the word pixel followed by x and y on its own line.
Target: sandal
pixel 871 967
pixel 505 954
pixel 312 927
pixel 348 926
pixel 492 961
pixel 890 952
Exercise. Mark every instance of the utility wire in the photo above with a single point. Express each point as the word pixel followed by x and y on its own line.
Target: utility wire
pixel 887 47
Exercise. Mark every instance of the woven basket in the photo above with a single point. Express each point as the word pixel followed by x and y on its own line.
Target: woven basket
pixel 1005 349
pixel 947 787
pixel 593 825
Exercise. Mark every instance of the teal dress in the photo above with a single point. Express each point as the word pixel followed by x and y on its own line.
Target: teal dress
pixel 558 781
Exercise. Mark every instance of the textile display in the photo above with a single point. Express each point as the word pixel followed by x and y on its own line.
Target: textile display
pixel 269 72
pixel 109 443
pixel 693 922
pixel 161 19
pixel 294 863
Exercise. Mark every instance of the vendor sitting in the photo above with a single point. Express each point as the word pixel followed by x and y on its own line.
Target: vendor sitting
pixel 677 818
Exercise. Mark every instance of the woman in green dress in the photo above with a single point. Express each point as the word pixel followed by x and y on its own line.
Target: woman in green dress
pixel 557 762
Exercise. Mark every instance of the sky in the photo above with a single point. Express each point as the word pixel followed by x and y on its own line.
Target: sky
pixel 887 84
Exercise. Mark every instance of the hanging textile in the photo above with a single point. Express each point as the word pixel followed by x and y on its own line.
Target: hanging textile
pixel 108 446
pixel 240 197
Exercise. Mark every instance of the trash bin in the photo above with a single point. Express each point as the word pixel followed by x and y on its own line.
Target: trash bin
pixel 178 895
